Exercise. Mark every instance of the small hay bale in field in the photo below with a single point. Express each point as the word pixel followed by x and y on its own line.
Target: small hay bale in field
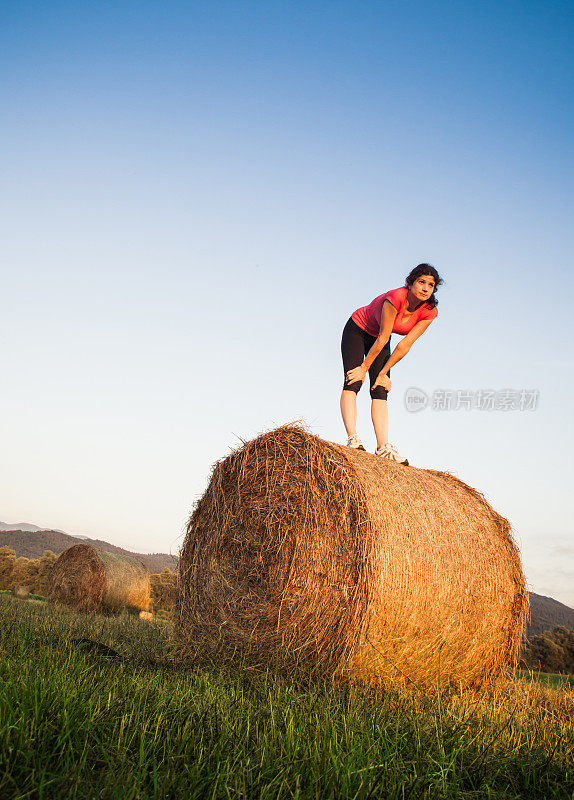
pixel 21 592
pixel 89 579
pixel 307 555
pixel 146 615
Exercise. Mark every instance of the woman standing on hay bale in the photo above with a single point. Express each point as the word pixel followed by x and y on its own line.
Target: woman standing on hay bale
pixel 366 347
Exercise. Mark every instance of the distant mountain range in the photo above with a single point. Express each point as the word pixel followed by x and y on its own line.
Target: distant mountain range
pixel 31 542
pixel 24 526
pixel 546 614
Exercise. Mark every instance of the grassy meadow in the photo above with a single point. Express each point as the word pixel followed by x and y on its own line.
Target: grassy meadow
pixel 80 722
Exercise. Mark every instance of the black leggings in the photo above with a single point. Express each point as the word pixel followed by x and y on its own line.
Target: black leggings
pixel 355 345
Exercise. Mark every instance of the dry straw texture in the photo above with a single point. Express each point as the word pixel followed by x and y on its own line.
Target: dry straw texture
pixel 21 592
pixel 89 579
pixel 307 555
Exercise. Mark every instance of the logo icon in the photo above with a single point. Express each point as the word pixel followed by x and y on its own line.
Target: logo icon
pixel 415 399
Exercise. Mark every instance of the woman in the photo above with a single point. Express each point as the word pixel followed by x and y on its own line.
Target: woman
pixel 366 347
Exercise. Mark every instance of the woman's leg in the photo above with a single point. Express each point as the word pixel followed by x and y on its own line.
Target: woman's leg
pixel 349 411
pixel 353 352
pixel 379 409
pixel 380 417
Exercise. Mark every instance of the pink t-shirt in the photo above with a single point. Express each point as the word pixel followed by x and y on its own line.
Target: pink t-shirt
pixel 368 318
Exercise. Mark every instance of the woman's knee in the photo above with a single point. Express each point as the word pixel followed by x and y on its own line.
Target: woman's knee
pixel 378 393
pixel 352 387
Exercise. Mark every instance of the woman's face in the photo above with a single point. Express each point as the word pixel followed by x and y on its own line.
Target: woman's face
pixel 423 287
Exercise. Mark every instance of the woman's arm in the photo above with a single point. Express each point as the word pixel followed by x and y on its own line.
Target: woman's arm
pixel 387 322
pixel 402 349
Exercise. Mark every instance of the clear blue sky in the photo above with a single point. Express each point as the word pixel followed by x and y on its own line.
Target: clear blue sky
pixel 194 198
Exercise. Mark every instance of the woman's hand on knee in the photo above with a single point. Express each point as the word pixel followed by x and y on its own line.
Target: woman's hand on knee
pixel 382 380
pixel 355 375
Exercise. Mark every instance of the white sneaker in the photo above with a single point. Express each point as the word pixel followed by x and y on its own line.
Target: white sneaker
pixel 355 442
pixel 392 454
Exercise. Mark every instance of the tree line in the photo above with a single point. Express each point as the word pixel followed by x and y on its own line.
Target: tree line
pixel 551 651
pixel 21 571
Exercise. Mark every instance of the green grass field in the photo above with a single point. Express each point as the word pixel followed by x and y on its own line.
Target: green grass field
pixel 75 723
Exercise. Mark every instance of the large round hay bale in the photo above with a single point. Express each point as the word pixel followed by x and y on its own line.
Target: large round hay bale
pixel 304 554
pixel 89 579
pixel 21 592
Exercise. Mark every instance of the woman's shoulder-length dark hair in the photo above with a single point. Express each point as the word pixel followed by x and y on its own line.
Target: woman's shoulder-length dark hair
pixel 425 269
